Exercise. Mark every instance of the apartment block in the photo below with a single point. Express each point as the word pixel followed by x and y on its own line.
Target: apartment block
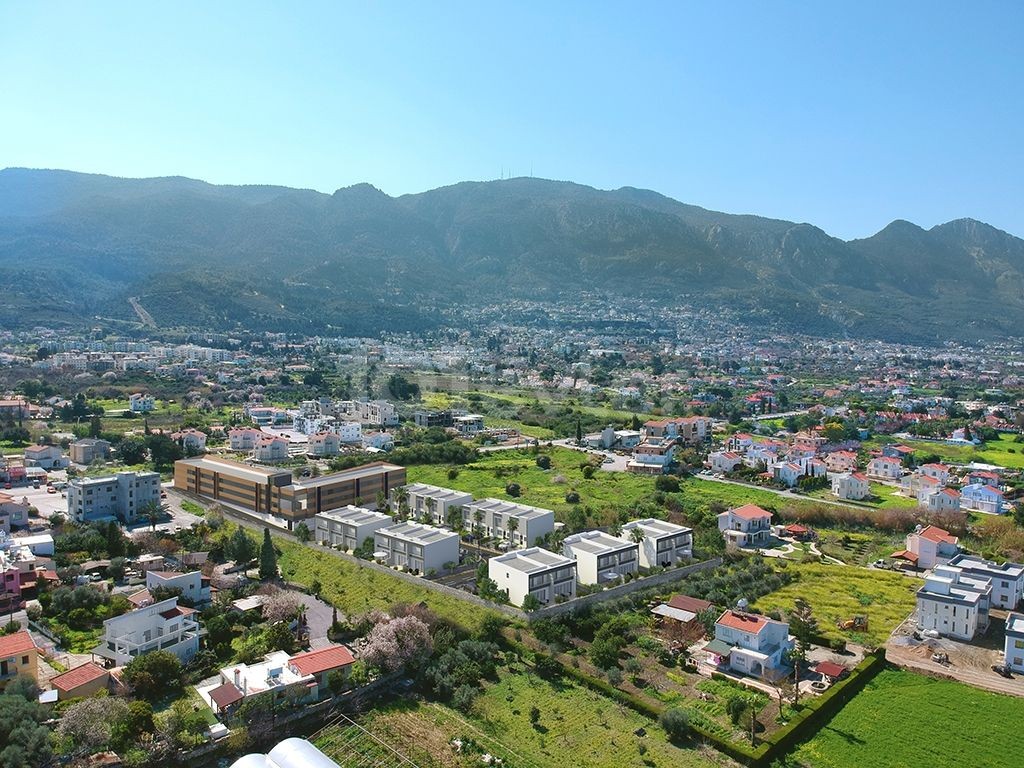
pixel 122 496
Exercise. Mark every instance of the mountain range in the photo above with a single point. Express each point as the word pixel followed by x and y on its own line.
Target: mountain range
pixel 77 247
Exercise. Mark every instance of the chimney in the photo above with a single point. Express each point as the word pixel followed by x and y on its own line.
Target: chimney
pixel 238 678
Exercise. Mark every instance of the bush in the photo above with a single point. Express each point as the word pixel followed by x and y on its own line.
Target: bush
pixel 838 645
pixel 588 471
pixel 572 497
pixel 544 461
pixel 676 723
pixel 667 484
pixel 513 489
pixel 153 674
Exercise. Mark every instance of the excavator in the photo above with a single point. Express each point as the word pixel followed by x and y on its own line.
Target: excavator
pixel 856 624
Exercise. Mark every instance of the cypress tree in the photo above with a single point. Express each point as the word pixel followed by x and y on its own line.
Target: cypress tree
pixel 268 557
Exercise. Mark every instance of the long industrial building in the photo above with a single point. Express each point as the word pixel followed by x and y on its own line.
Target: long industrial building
pixel 275 492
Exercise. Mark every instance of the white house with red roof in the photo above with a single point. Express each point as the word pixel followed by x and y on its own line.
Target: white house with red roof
pixel 850 485
pixel 193 585
pixel 270 449
pixel 940 500
pixel 982 498
pixel 243 438
pixel 724 461
pixel 325 444
pixel 740 442
pixel 750 644
pixel 841 461
pixel 917 486
pixel 788 473
pixel 885 468
pixel 931 546
pixel 746 526
pixel 190 439
pixel 938 471
pixel 984 477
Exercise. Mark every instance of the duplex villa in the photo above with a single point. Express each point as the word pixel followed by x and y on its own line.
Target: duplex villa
pixel 139 402
pixel 600 557
pixel 982 498
pixel 164 626
pixel 663 543
pixel 750 644
pixel 416 547
pixel 270 449
pixel 496 518
pixel 122 496
pixel 954 603
pixel 850 485
pixel 1013 644
pixel 746 526
pixel 348 527
pixel 325 444
pixel 431 503
pixel 533 572
pixel 885 468
pixel 89 449
pixel 191 440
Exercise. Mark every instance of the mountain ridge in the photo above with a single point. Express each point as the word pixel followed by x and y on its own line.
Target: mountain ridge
pixel 276 257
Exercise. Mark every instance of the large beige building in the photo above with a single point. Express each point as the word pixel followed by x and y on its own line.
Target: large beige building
pixel 275 492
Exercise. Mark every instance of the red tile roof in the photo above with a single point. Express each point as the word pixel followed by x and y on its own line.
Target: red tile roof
pixel 331 657
pixel 178 610
pixel 750 512
pixel 745 622
pixel 225 695
pixel 830 669
pixel 937 535
pixel 140 598
pixel 16 644
pixel 79 676
pixel 687 603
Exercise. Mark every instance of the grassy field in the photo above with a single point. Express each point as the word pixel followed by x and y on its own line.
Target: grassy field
pixel 576 727
pixel 490 475
pixel 857 547
pixel 838 592
pixel 354 589
pixel 1004 450
pixel 883 497
pixel 903 720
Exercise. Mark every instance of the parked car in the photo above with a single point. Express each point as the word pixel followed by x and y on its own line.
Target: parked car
pixel 50 489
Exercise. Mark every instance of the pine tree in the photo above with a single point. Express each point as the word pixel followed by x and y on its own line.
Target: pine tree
pixel 268 557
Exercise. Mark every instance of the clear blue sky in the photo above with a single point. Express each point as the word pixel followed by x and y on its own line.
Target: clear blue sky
pixel 846 115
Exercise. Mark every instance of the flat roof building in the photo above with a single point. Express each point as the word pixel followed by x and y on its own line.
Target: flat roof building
pixel 431 503
pixel 600 557
pixel 348 527
pixel 531 523
pixel 416 547
pixel 533 572
pixel 274 491
pixel 663 543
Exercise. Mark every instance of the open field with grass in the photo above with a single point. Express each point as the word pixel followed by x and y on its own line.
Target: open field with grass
pixel 838 592
pixel 1004 451
pixel 883 497
pixel 858 547
pixel 576 727
pixel 493 471
pixel 355 589
pixel 904 720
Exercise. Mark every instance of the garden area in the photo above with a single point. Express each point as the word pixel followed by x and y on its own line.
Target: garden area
pixel 902 719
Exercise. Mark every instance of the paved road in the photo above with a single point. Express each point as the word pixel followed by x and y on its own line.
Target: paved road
pixel 770 416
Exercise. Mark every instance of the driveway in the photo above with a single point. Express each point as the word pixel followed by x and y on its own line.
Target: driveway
pixel 318 618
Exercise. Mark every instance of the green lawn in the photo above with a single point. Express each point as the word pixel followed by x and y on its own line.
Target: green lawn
pixel 1004 450
pixel 354 589
pixel 858 547
pixel 883 497
pixel 904 720
pixel 838 592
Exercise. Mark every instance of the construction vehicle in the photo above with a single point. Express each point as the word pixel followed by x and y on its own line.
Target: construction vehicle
pixel 856 624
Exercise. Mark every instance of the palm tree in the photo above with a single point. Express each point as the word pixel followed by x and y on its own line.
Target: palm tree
pixel 512 526
pixel 431 504
pixel 454 519
pixel 401 498
pixel 478 517
pixel 637 536
pixel 153 511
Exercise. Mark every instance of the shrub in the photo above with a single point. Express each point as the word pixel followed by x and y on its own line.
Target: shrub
pixel 667 484
pixel 544 461
pixel 572 497
pixel 513 489
pixel 676 723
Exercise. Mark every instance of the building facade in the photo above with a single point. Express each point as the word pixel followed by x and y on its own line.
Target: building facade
pixel 535 572
pixel 123 496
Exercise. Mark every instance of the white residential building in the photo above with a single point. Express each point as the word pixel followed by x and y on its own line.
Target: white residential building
pixel 349 526
pixel 841 461
pixel 270 449
pixel 416 547
pixel 431 503
pixel 931 546
pixel 190 439
pixel 122 496
pixel 1007 579
pixel 653 456
pixel 378 413
pixel 941 500
pixel 600 557
pixel 746 526
pixel 788 473
pixel 325 444
pixel 532 523
pixel 379 441
pixel 45 457
pixel 850 485
pixel 243 438
pixel 1013 644
pixel 663 544
pixel 724 461
pixel 470 424
pixel 139 402
pixel 750 644
pixel 982 498
pixel 885 468
pixel 938 471
pixel 533 571
pixel 953 603
pixel 193 585
pixel 349 431
pixel 163 626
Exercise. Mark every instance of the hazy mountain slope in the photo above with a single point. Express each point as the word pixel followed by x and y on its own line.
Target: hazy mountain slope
pixel 77 246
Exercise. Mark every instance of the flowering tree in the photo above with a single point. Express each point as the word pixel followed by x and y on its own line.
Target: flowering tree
pixel 398 643
pixel 280 606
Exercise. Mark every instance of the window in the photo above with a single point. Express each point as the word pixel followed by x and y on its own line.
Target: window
pixel 1018 643
pixel 24 659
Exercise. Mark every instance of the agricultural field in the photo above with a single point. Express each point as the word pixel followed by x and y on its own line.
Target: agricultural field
pixel 354 589
pixel 902 720
pixel 839 592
